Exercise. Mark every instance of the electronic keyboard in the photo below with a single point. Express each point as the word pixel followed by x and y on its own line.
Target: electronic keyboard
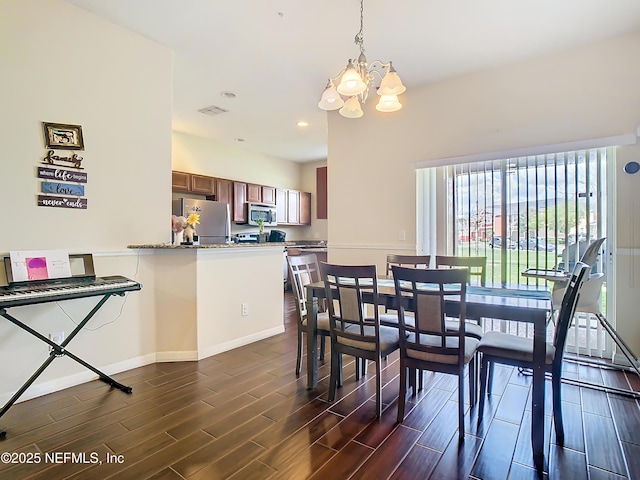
pixel 64 289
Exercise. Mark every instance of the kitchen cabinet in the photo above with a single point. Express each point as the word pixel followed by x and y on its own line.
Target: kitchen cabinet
pixel 180 181
pixel 293 207
pixel 203 184
pixel 268 195
pixel 293 202
pixel 282 206
pixel 254 193
pixel 305 208
pixel 321 192
pixel 239 214
pixel 224 190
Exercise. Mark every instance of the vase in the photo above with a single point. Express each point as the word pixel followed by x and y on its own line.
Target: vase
pixel 178 237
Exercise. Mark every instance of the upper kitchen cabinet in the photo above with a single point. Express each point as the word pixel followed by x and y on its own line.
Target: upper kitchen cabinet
pixel 202 184
pixel 282 205
pixel 224 190
pixel 239 213
pixel 268 195
pixel 189 182
pixel 254 193
pixel 293 207
pixel 293 201
pixel 180 181
pixel 305 208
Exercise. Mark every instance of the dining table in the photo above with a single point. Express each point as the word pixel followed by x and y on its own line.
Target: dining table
pixel 522 303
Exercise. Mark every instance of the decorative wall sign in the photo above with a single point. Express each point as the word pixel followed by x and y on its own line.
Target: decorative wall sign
pixel 59 135
pixel 51 158
pixel 63 188
pixel 61 174
pixel 61 202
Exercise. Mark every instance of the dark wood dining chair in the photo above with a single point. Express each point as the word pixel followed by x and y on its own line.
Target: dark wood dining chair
pixel 477 266
pixel 428 344
pixel 415 261
pixel 304 269
pixel 499 347
pixel 349 289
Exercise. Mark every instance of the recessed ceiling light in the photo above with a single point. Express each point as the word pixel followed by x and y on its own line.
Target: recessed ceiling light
pixel 228 94
pixel 239 139
pixel 302 123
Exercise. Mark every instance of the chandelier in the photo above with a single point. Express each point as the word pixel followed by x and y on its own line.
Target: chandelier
pixel 355 81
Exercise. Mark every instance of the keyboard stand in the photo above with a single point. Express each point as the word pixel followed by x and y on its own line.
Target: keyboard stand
pixel 58 351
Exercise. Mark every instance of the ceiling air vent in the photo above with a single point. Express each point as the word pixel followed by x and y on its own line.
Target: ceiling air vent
pixel 212 110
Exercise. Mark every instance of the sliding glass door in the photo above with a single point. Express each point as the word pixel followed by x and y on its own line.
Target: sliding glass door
pixel 531 212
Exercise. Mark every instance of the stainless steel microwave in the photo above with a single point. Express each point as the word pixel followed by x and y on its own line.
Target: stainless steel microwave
pixel 266 213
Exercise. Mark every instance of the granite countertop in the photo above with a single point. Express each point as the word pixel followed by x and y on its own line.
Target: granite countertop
pixel 224 245
pixel 307 244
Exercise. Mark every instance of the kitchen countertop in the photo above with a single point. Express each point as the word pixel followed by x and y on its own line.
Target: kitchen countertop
pixel 225 245
pixel 307 245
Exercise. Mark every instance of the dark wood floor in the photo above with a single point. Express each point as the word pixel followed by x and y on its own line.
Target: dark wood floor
pixel 244 415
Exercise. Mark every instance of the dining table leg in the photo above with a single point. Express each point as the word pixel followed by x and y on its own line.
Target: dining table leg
pixel 312 340
pixel 537 409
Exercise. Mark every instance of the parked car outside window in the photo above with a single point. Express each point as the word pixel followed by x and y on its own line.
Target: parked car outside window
pixel 535 244
pixel 497 243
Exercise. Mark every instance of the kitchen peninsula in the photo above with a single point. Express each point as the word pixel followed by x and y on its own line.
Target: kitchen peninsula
pixel 213 298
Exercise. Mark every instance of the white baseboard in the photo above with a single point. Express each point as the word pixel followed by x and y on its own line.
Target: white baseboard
pixel 239 342
pixel 58 384
pixel 177 356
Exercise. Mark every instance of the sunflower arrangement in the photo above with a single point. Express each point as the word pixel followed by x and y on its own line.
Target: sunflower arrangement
pixel 190 230
pixel 193 219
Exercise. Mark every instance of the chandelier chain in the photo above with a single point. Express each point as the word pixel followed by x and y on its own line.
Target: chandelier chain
pixel 359 40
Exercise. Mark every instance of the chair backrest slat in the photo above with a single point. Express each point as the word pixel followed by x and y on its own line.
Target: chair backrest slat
pixel 568 309
pixel 303 270
pixel 590 255
pixel 415 261
pixel 477 265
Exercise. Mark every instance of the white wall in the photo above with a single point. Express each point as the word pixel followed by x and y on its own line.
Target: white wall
pixel 61 64
pixel 591 92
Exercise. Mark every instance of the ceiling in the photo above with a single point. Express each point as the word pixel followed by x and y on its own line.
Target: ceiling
pixel 276 55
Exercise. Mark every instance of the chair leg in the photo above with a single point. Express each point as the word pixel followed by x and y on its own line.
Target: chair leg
pixel 461 406
pixel 402 396
pixel 483 387
pixel 378 388
pixel 299 358
pixel 473 389
pixel 490 379
pixel 334 377
pixel 322 346
pixel 411 372
pixel 420 379
pixel 357 361
pixel 557 408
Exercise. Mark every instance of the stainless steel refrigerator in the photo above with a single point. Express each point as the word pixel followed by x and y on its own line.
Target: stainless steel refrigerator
pixel 215 219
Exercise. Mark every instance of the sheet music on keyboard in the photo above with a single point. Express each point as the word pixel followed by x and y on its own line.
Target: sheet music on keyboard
pixel 29 265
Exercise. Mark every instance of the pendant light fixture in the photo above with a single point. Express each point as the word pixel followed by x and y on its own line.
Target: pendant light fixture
pixel 354 82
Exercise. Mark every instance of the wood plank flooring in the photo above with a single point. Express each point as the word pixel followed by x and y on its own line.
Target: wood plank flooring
pixel 244 415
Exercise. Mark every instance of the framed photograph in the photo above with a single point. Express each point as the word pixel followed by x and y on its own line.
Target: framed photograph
pixel 59 135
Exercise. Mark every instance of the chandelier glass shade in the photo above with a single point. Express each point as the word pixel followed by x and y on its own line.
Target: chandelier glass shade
pixel 349 90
